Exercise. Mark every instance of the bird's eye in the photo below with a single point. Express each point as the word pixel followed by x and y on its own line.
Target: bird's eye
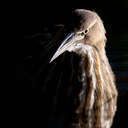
pixel 82 34
pixel 86 31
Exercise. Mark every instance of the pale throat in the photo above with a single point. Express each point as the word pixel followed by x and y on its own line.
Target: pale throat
pixel 80 49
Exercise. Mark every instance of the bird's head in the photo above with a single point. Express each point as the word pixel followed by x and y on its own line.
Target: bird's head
pixel 87 28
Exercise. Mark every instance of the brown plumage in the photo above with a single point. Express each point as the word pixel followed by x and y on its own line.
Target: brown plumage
pixel 96 100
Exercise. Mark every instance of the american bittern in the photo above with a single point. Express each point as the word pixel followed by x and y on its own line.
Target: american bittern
pixel 96 100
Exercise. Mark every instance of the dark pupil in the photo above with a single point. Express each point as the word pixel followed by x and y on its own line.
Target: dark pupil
pixel 82 33
pixel 86 31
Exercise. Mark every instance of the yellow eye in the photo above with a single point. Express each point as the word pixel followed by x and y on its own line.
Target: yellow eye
pixel 82 34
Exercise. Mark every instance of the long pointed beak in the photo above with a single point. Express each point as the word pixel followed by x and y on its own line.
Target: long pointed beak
pixel 69 41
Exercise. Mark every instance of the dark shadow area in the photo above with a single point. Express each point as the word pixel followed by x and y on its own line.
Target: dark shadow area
pixel 38 102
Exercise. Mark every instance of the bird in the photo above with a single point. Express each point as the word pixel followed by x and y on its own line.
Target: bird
pixel 95 103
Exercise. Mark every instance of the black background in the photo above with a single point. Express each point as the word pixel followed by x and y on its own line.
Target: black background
pixel 40 18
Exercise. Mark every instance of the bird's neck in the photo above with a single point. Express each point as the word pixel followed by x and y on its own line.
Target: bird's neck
pixel 98 87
